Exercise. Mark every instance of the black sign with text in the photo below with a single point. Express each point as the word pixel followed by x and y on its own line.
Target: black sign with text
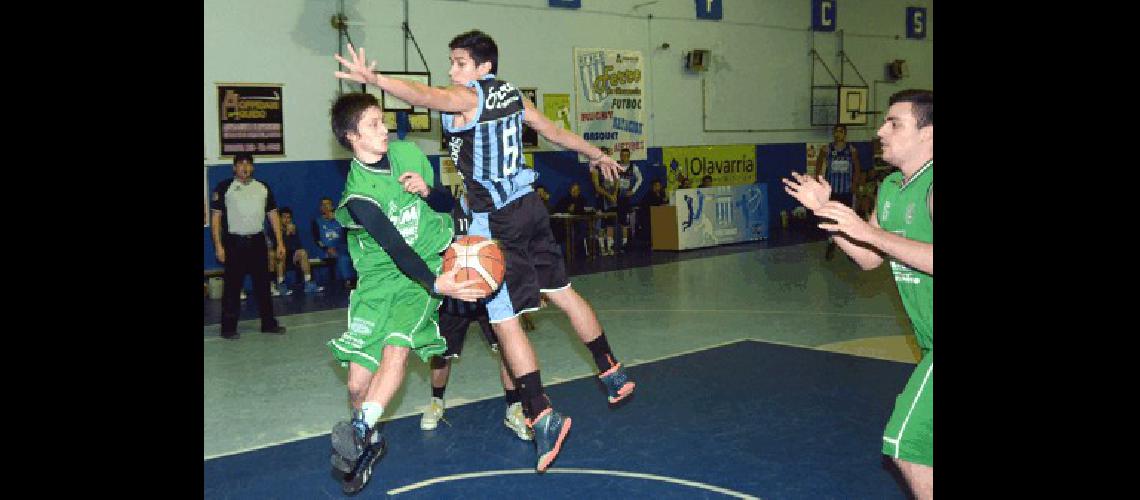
pixel 250 119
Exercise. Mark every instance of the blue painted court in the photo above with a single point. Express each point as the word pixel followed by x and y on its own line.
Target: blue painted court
pixel 745 419
pixel 763 373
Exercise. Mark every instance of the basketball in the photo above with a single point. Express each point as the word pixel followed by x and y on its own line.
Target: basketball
pixel 477 258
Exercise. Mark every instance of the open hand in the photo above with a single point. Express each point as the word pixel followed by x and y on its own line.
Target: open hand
pixel 846 221
pixel 811 192
pixel 356 70
pixel 609 167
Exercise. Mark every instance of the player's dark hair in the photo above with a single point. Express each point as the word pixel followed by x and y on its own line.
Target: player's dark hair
pixel 346 112
pixel 480 46
pixel 922 104
pixel 240 157
pixel 286 210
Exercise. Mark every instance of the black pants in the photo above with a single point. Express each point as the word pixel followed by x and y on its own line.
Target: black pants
pixel 246 255
pixel 641 222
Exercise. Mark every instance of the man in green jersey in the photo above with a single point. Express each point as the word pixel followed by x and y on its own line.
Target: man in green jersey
pixel 901 229
pixel 398 221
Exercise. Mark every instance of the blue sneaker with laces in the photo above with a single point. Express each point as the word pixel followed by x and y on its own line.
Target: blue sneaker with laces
pixel 617 383
pixel 550 430
pixel 352 457
pixel 348 438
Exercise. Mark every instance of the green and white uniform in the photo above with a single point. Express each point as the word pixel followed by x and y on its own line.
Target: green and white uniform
pixel 902 208
pixel 387 307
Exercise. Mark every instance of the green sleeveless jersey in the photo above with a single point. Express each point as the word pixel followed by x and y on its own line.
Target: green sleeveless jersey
pixel 428 232
pixel 902 209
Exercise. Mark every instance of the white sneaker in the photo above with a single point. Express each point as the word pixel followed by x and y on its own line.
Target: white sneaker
pixel 433 413
pixel 516 421
pixel 243 296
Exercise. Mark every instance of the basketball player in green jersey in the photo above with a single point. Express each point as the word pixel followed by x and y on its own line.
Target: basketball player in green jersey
pixel 900 229
pixel 397 227
pixel 483 119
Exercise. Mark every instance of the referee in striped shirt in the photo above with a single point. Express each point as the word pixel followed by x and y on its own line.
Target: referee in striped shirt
pixel 239 207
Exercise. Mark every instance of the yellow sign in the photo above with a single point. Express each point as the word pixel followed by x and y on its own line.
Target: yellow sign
pixel 556 107
pixel 726 165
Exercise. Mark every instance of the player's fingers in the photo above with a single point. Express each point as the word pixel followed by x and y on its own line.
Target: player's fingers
pixel 465 284
pixel 451 274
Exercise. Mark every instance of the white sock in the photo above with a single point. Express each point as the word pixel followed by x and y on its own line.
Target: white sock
pixel 308 277
pixel 372 412
pixel 280 279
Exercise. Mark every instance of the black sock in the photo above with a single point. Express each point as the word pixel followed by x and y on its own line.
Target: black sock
pixel 530 392
pixel 512 396
pixel 437 392
pixel 603 357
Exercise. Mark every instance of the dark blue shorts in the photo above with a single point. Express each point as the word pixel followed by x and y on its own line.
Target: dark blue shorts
pixel 533 256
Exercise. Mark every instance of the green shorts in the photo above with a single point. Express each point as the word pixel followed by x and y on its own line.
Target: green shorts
pixel 909 434
pixel 388 309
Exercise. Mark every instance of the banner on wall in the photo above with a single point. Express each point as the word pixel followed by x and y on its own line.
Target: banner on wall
pixel 727 165
pixel 556 107
pixel 608 99
pixel 250 119
pixel 813 151
pixel 721 215
pixel 448 174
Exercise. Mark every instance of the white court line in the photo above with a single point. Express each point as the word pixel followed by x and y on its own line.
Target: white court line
pixel 636 475
pixel 552 383
pixel 397 416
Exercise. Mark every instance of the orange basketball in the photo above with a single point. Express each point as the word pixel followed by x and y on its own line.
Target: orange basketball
pixel 477 258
